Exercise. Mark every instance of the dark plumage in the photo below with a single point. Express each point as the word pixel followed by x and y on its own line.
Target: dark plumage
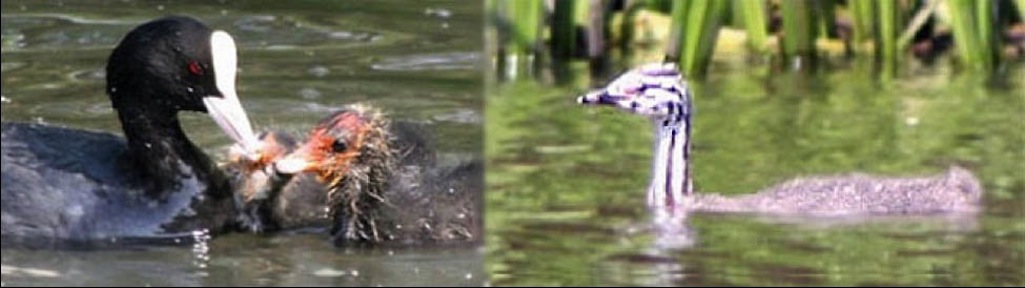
pixel 64 186
pixel 366 181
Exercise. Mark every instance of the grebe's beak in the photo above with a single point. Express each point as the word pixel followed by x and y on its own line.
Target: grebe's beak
pixel 602 97
pixel 225 108
pixel 655 91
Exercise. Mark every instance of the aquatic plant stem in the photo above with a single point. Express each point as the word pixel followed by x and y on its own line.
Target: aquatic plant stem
pixel 889 19
pixel 563 29
pixel 799 29
pixel 525 22
pixel 863 13
pixel 753 14
pixel 695 32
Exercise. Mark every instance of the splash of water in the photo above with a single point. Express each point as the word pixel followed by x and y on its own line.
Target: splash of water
pixel 201 248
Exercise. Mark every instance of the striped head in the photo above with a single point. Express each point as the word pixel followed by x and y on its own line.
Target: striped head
pixel 657 91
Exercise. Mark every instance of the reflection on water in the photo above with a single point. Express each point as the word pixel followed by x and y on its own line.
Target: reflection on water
pixel 295 260
pixel 299 61
pixel 566 197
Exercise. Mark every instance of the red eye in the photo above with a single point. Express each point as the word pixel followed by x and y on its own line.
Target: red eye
pixel 195 69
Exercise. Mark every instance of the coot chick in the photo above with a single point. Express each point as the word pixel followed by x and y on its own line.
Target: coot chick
pixel 64 186
pixel 365 180
pixel 658 92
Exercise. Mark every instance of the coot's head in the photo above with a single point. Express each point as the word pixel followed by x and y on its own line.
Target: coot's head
pixel 177 64
pixel 342 172
pixel 350 151
pixel 351 145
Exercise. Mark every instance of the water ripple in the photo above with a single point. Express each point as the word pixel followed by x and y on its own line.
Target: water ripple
pixel 310 93
pixel 12 66
pixel 287 33
pixel 60 31
pixel 315 108
pixel 463 116
pixel 13 39
pixel 74 109
pixel 256 23
pixel 439 12
pixel 88 75
pixel 444 61
pixel 30 272
pixel 319 71
pixel 73 19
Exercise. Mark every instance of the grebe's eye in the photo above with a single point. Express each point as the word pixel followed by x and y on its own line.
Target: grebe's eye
pixel 339 146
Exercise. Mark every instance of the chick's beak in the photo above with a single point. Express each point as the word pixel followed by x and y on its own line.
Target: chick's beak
pixel 315 156
pixel 295 163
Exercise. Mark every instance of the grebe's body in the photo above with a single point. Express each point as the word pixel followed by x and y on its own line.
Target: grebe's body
pixel 658 92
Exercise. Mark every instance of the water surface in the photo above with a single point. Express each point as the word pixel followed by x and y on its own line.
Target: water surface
pixel 566 196
pixel 299 61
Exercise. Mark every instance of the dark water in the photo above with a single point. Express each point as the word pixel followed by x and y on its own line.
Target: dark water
pixel 300 60
pixel 567 184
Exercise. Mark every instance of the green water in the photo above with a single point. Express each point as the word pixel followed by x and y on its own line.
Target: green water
pixel 299 61
pixel 566 184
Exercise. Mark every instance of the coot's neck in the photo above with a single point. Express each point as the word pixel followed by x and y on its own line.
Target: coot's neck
pixel 159 150
pixel 670 168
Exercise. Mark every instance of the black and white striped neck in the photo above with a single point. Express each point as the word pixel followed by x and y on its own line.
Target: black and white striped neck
pixel 670 168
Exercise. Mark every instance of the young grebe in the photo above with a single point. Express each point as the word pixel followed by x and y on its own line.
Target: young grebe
pixel 367 180
pixel 658 92
pixel 73 186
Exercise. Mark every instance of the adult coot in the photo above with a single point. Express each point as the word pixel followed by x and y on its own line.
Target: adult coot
pixel 67 186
